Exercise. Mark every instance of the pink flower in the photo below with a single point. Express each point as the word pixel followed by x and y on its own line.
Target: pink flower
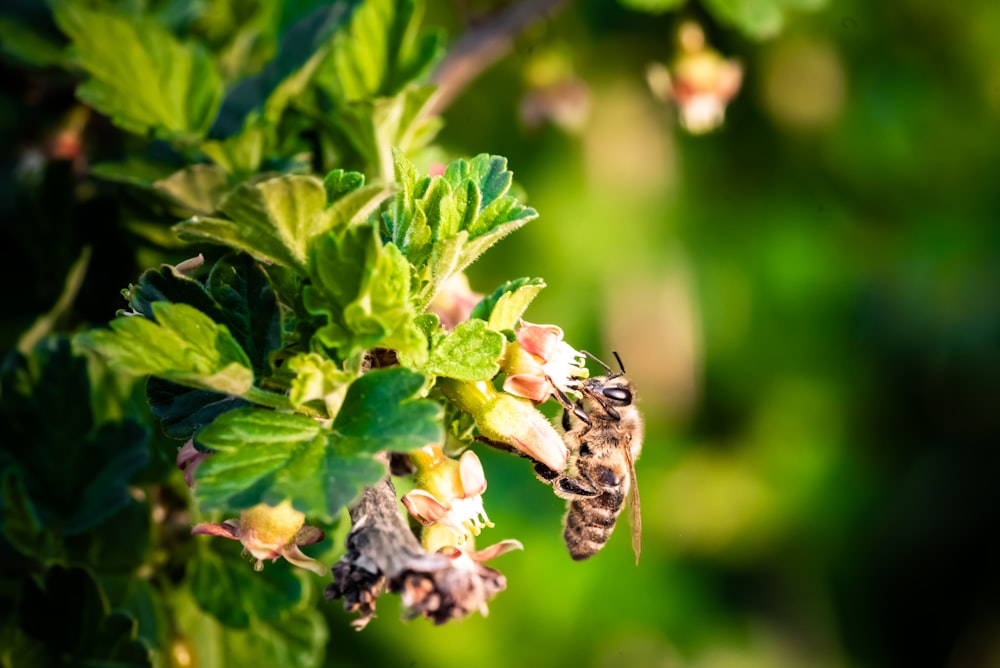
pixel 188 459
pixel 540 361
pixel 454 302
pixel 448 499
pixel 508 420
pixel 269 532
pixel 700 81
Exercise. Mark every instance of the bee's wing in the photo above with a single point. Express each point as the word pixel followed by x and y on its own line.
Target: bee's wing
pixel 635 512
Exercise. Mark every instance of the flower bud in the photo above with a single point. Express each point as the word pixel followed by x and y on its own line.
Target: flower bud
pixel 269 532
pixel 508 419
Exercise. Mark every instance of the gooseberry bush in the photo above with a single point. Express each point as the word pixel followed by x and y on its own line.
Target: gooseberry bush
pixel 315 340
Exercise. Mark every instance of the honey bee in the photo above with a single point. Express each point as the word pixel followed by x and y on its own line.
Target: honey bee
pixel 603 431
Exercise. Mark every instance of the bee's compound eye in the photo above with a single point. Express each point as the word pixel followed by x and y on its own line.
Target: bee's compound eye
pixel 607 477
pixel 619 394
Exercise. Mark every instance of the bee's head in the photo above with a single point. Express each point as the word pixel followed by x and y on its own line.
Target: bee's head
pixel 610 393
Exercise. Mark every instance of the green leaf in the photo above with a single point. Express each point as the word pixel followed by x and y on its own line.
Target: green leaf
pixel 373 128
pixel 224 585
pixel 237 294
pixel 380 52
pixel 198 189
pixel 69 616
pixel 182 411
pixel 30 44
pixel 362 288
pixel 273 220
pixel 184 345
pixel 168 283
pixel 266 457
pixel 118 547
pixel 261 456
pixel 652 6
pixel 442 224
pixel 248 306
pixel 759 19
pixel 317 378
pixel 141 76
pixel 268 92
pixel 134 170
pixel 339 183
pixel 505 305
pixel 95 464
pixel 297 639
pixel 380 413
pixel 469 352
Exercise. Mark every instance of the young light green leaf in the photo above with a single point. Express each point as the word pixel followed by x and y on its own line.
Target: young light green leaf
pixel 339 183
pixel 273 220
pixel 505 305
pixel 317 378
pixel 381 51
pixel 469 352
pixel 198 188
pixel 141 76
pixel 442 224
pixel 362 288
pixel 372 128
pixel 183 345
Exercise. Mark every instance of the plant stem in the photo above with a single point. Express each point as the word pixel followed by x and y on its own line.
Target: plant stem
pixel 280 402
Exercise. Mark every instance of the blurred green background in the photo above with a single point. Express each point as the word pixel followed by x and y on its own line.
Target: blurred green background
pixel 808 300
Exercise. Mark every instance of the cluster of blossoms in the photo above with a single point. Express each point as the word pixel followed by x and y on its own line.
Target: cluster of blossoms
pixel 443 575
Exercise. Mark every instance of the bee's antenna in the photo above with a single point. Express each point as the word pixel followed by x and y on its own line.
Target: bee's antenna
pixel 620 365
pixel 598 360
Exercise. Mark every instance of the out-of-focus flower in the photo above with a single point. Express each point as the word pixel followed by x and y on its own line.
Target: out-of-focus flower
pixel 269 532
pixel 700 81
pixel 448 497
pixel 455 301
pixel 509 420
pixel 554 92
pixel 538 360
pixel 188 459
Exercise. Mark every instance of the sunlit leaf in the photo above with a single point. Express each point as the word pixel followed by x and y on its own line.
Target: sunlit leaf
pixel 183 345
pixel 469 352
pixel 274 220
pixel 362 287
pixel 505 305
pixel 141 76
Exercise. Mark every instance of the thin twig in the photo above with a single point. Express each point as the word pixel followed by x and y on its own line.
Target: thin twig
pixel 484 45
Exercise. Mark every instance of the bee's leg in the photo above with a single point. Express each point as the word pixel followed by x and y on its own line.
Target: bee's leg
pixel 576 409
pixel 573 488
pixel 544 473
